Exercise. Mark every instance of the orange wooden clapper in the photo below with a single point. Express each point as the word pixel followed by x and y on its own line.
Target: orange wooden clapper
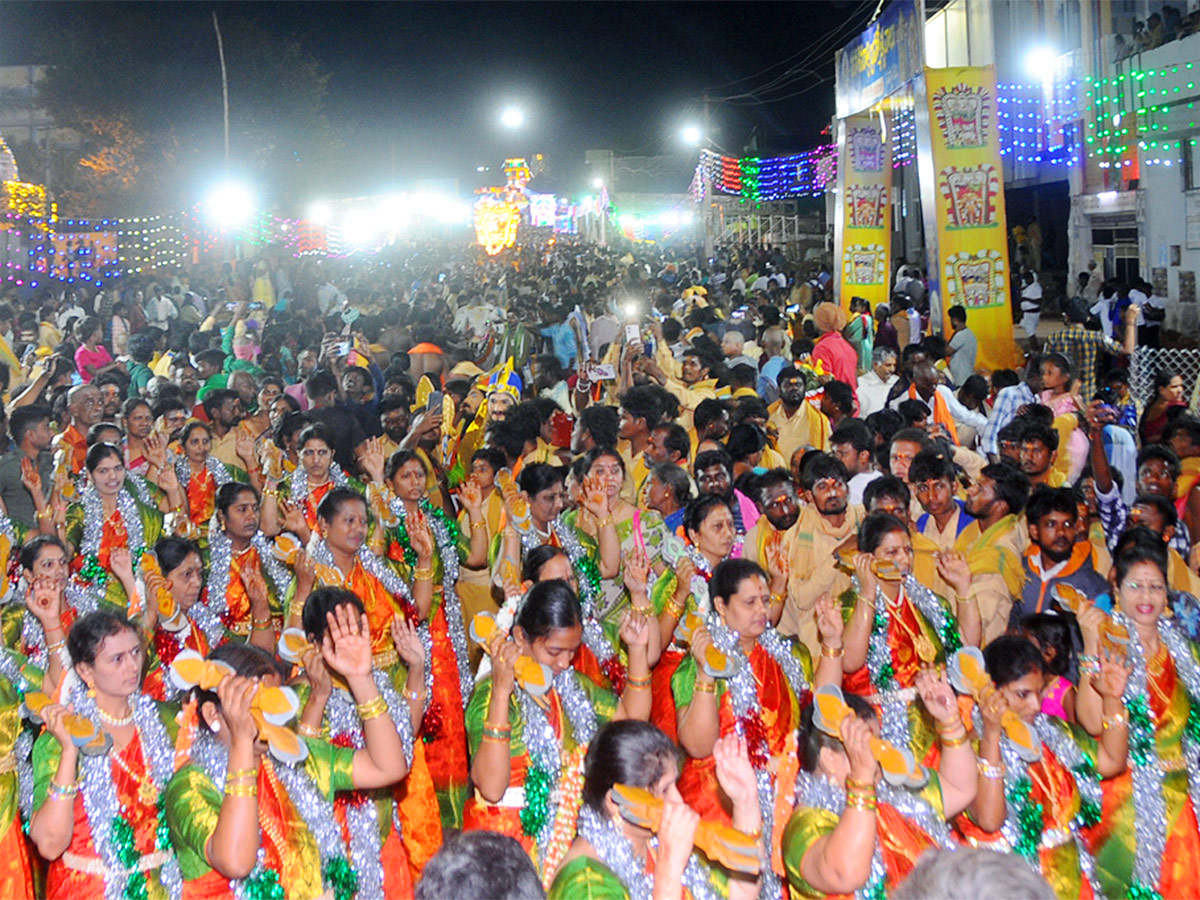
pixel 716 663
pixel 85 734
pixel 533 677
pixel 898 765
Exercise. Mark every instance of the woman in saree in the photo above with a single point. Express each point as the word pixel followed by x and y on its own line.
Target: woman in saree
pixel 300 495
pixel 1060 791
pixel 521 742
pixel 853 833
pixel 243 826
pixel 109 528
pixel 96 817
pixel 410 511
pixel 637 529
pixel 761 700
pixel 38 627
pixel 708 526
pixel 201 474
pixel 860 332
pixel 18 676
pixel 329 713
pixel 183 578
pixel 1147 839
pixel 246 583
pixel 617 860
pixel 898 626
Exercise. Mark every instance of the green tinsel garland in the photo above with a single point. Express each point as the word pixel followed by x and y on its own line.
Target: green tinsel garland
pixel 263 886
pixel 402 538
pixel 341 877
pixel 92 572
pixel 536 811
pixel 878 892
pixel 127 853
pixel 951 639
pixel 1141 738
pixel 589 571
pixel 1089 811
pixel 887 672
pixel 436 512
pixel 1029 818
pixel 1143 892
pixel 1192 726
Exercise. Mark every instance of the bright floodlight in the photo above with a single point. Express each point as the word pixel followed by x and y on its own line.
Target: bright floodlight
pixel 512 117
pixel 1040 62
pixel 691 135
pixel 230 204
pixel 320 214
pixel 597 183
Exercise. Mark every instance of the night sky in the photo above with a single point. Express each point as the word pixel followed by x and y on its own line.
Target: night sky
pixel 416 88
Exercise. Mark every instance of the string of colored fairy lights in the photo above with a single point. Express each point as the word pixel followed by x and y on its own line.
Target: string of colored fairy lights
pixel 1152 109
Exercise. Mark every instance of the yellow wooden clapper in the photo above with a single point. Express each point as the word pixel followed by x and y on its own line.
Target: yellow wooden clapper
pixel 533 677
pixel 968 675
pixel 735 850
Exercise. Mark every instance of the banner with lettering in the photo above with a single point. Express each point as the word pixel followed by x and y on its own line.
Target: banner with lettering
pixel 972 235
pixel 864 216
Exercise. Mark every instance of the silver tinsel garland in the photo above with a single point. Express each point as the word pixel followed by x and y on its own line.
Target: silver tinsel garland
pixel 589 595
pixel 744 701
pixel 183 471
pixel 299 490
pixel 616 851
pixel 1149 802
pixel 99 792
pixel 894 724
pixel 214 602
pixel 447 550
pixel 33 636
pixel 544 746
pixel 1070 756
pixel 818 792
pixel 393 584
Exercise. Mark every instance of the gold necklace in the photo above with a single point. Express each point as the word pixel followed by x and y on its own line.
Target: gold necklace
pixel 923 646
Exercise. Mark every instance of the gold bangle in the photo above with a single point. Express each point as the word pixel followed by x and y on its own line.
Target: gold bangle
pixel 705 687
pixel 642 610
pixel 673 609
pixel 425 574
pixel 240 774
pixel 306 730
pixel 856 785
pixel 56 646
pixel 44 514
pixel 832 652
pixel 262 624
pixel 372 709
pixel 497 734
pixel 56 791
pixel 864 804
pixel 778 598
pixel 601 523
pixel 496 740
pixel 632 682
pixel 949 742
pixel 475 524
pixel 241 790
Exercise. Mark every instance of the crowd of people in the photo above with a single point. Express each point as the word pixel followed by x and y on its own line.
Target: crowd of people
pixel 587 571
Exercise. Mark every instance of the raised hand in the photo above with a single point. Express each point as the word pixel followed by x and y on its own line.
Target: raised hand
pixel 1114 675
pixel 256 590
pixel 156 450
pixel 471 496
pixel 370 458
pixel 735 775
pixel 504 655
pixel 121 563
pixel 992 707
pixel 637 571
pixel 420 538
pixel 778 565
pixel 306 572
pixel 635 629
pixel 676 834
pixel 953 568
pixel 594 499
pixel 868 583
pixel 408 643
pixel 685 571
pixel 293 516
pixel 701 640
pixel 346 647
pixel 243 446
pixel 235 694
pixel 830 624
pixel 937 695
pixel 54 715
pixel 30 477
pixel 45 601
pixel 316 672
pixel 856 738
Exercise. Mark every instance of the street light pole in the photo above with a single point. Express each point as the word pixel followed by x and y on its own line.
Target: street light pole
pixel 706 180
pixel 224 84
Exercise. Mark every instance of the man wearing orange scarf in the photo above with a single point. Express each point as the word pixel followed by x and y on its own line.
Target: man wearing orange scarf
pixel 944 407
pixel 1059 552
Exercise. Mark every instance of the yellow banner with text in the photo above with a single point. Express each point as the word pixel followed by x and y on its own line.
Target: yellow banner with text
pixel 865 159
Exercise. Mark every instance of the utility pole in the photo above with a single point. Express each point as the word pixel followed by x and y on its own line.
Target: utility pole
pixel 224 84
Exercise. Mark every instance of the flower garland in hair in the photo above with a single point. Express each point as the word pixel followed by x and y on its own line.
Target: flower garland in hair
pixel 1150 833
pixel 588 576
pixel 1023 824
pixel 393 584
pixel 94 574
pixel 894 724
pixel 112 832
pixel 445 535
pixel 299 487
pixel 546 752
pixel 818 792
pixel 747 712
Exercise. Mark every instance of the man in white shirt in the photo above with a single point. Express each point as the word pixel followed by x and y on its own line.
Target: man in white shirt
pixel 928 390
pixel 873 387
pixel 732 345
pixel 160 310
pixel 962 347
pixel 1151 314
